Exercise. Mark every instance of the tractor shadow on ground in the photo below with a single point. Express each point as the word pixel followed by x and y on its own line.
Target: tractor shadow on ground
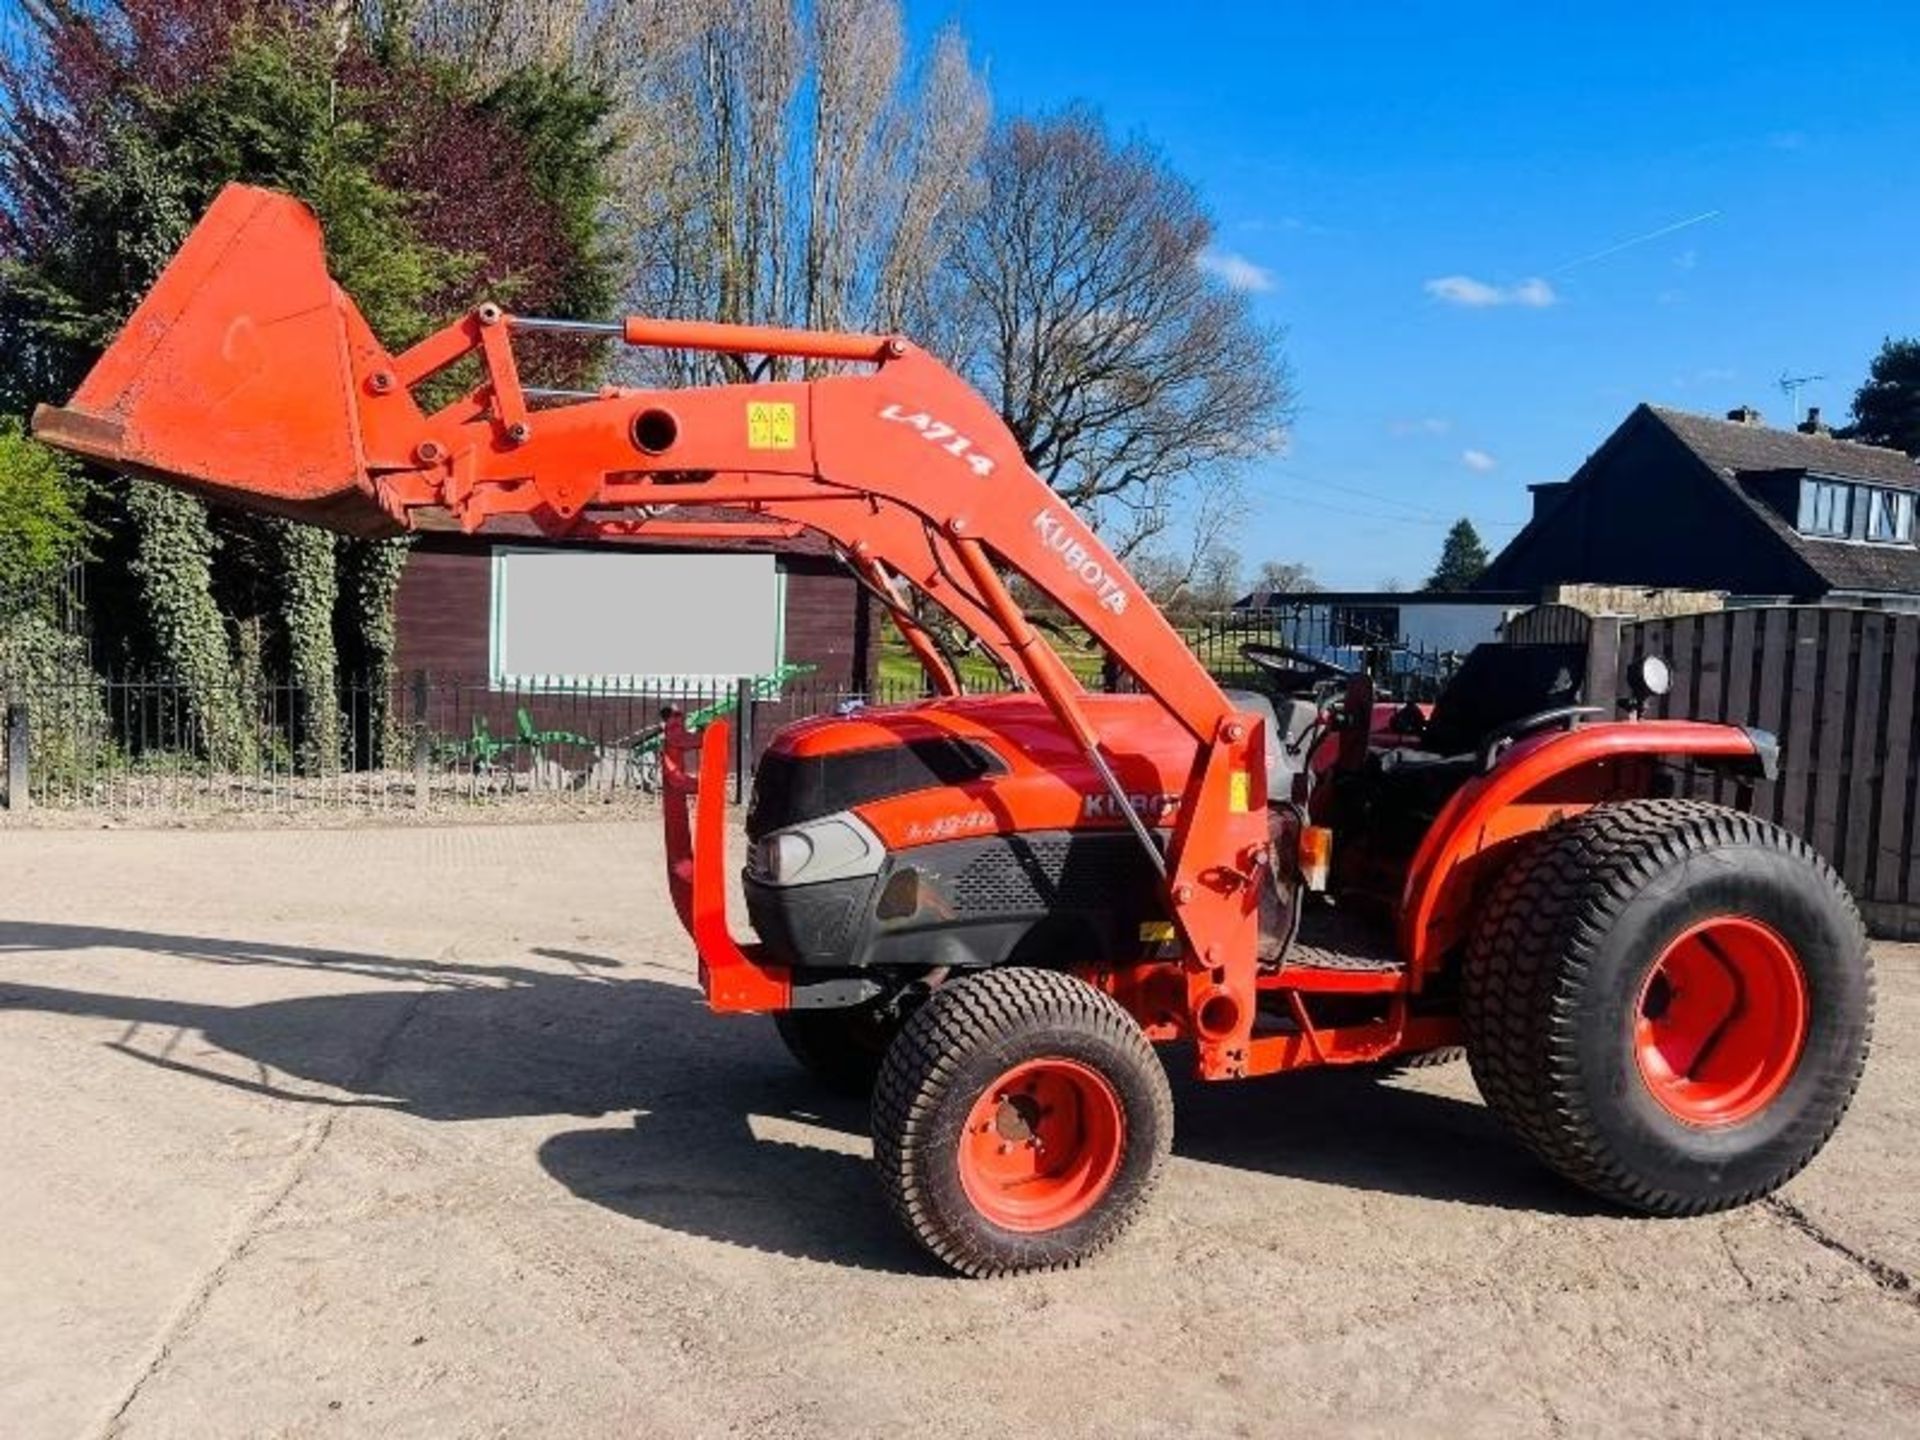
pixel 1366 1129
pixel 728 1141
pixel 726 1138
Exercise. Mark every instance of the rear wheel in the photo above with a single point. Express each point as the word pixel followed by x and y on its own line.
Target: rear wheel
pixel 1670 1003
pixel 1020 1122
pixel 842 1049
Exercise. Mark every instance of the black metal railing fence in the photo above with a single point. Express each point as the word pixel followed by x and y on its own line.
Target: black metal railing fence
pixel 1351 637
pixel 150 743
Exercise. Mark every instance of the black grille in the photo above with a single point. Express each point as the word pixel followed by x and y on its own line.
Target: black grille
pixel 801 923
pixel 1041 874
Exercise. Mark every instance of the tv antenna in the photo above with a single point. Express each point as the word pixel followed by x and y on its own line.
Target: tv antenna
pixel 1791 386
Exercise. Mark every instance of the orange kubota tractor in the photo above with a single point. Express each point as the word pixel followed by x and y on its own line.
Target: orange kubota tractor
pixel 988 910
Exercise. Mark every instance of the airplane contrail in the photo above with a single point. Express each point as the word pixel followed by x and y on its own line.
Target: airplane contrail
pixel 1692 220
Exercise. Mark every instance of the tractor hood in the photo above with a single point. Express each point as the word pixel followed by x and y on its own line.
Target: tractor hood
pixel 972 765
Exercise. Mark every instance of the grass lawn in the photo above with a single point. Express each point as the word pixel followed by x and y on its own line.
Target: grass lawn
pixel 900 674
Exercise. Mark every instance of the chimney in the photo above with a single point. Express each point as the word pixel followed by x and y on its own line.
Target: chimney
pixel 1744 415
pixel 1813 424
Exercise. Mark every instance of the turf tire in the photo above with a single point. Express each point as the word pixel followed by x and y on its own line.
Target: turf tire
pixel 1554 974
pixel 967 1035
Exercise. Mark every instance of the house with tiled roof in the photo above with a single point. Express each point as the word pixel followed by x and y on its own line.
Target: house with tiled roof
pixel 1674 500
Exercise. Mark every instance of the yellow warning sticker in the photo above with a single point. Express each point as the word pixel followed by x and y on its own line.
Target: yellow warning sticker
pixel 770 425
pixel 1156 932
pixel 1240 792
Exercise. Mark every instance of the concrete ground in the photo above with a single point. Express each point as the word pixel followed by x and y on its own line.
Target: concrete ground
pixel 424 1132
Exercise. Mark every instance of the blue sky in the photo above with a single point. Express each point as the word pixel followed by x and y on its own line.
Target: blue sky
pixel 1358 156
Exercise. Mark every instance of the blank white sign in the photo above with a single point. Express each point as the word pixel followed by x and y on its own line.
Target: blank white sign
pixel 633 619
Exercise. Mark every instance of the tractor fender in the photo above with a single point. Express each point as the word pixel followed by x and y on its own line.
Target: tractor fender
pixel 1538 782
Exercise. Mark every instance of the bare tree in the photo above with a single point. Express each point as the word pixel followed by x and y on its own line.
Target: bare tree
pixel 784 162
pixel 1191 581
pixel 1136 381
pixel 491 37
pixel 1218 580
pixel 805 170
pixel 1284 577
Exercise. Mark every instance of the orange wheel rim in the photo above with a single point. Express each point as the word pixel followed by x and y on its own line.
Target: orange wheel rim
pixel 1042 1145
pixel 1721 1021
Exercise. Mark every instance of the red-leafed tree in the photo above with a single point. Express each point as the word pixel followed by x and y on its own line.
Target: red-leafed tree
pixel 123 119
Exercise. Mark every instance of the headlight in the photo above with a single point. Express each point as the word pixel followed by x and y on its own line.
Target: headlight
pixel 785 856
pixel 838 847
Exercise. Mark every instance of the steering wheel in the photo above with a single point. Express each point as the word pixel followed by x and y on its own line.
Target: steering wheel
pixel 1284 660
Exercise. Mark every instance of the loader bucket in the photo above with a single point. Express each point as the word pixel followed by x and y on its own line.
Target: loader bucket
pixel 231 379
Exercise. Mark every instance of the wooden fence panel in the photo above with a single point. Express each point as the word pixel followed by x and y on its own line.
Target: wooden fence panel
pixel 1737 699
pixel 1894 844
pixel 1683 655
pixel 1829 734
pixel 1797 721
pixel 1905 678
pixel 1770 702
pixel 1838 689
pixel 1865 764
pixel 1710 696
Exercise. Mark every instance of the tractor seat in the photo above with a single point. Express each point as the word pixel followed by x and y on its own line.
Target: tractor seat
pixel 1284 731
pixel 1496 686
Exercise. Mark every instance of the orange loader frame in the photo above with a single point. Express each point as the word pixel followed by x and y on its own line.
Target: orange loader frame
pixel 248 375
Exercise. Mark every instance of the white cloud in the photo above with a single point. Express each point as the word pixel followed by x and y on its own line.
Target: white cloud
pixel 1285 225
pixel 1478 460
pixel 1532 294
pixel 1425 425
pixel 1237 271
pixel 1460 290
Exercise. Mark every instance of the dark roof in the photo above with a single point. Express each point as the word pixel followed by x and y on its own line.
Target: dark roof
pixel 1732 451
pixel 1731 447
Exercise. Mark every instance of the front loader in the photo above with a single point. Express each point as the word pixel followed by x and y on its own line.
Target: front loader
pixel 989 911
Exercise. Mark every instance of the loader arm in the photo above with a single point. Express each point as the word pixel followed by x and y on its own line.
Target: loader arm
pixel 248 376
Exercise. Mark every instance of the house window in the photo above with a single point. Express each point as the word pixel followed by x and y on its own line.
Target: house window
pixel 1826 508
pixel 1890 516
pixel 635 621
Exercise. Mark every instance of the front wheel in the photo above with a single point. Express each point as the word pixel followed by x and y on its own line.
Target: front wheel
pixel 1020 1122
pixel 1670 1003
pixel 842 1049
